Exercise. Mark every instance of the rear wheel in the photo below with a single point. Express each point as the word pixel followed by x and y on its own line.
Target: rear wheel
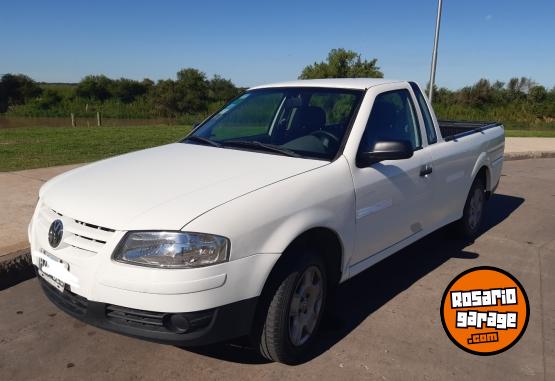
pixel 469 225
pixel 295 311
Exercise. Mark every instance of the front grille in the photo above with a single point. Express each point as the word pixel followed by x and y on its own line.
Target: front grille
pixel 136 318
pixel 66 300
pixel 79 234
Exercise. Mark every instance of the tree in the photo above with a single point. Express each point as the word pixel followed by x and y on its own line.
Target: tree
pixel 482 93
pixel 537 94
pixel 17 89
pixel 187 95
pixel 3 99
pixel 127 90
pixel 520 85
pixel 165 98
pixel 147 83
pixel 443 95
pixel 49 98
pixel 222 90
pixel 192 88
pixel 464 95
pixel 342 63
pixel 95 87
pixel 525 84
pixel 513 85
pixel 498 85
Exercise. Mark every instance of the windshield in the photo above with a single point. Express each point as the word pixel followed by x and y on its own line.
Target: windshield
pixel 300 122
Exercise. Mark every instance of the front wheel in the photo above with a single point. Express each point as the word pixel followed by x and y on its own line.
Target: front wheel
pixel 469 225
pixel 295 311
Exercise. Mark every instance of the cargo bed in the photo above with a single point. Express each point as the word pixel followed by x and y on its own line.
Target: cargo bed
pixel 452 129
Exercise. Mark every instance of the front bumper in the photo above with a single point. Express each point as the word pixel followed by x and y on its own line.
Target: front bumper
pixel 185 329
pixel 216 301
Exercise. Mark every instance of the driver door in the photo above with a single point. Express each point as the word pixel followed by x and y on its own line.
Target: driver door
pixel 392 195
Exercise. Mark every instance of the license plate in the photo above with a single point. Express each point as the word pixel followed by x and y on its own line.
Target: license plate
pixel 46 263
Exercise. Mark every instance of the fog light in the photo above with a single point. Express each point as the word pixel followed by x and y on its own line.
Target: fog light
pixel 177 323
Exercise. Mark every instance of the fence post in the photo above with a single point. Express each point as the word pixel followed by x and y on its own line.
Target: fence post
pixel 98 119
pixel 72 120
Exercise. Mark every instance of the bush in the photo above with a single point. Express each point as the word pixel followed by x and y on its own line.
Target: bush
pixel 16 89
pixel 95 87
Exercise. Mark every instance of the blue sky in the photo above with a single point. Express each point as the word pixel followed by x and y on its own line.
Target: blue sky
pixel 254 42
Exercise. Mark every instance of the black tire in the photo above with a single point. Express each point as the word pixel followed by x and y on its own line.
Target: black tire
pixel 468 227
pixel 274 340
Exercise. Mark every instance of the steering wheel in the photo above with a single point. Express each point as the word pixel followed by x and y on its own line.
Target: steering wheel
pixel 324 134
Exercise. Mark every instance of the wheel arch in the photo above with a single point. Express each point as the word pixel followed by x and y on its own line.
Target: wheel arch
pixel 325 241
pixel 329 246
pixel 332 253
pixel 482 168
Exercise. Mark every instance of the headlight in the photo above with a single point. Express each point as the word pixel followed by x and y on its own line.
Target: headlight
pixel 173 250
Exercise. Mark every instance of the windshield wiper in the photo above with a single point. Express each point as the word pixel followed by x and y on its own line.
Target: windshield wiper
pixel 205 141
pixel 260 145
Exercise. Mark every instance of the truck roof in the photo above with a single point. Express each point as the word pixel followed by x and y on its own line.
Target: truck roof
pixel 341 83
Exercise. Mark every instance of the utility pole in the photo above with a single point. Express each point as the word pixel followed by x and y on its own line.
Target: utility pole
pixel 434 53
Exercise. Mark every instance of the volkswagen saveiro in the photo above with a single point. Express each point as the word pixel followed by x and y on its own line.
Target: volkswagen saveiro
pixel 248 224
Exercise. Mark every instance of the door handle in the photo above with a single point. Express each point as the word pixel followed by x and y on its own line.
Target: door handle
pixel 425 170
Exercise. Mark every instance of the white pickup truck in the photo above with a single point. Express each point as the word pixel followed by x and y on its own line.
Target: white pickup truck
pixel 248 224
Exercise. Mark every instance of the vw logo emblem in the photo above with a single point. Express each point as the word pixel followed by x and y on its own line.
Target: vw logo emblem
pixel 55 233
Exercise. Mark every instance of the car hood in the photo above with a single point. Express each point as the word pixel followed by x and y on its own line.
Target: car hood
pixel 166 187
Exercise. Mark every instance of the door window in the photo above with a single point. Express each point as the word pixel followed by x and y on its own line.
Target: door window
pixel 392 118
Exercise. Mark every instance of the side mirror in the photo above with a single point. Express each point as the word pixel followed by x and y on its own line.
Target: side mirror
pixel 385 150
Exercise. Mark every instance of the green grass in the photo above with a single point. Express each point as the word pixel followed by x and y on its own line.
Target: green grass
pixel 530 133
pixel 34 147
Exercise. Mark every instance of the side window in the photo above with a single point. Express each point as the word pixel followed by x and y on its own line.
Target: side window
pixel 392 118
pixel 428 121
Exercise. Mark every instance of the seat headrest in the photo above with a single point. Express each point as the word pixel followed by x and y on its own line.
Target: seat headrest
pixel 310 117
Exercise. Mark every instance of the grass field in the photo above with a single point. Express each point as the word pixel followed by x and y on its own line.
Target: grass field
pixel 531 133
pixel 34 147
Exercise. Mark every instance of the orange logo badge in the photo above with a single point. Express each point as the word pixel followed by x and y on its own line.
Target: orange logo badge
pixel 485 310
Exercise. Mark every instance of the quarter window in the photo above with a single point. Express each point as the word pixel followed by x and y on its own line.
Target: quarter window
pixel 428 121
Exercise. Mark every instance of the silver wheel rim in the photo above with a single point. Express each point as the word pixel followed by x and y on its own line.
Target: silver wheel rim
pixel 306 305
pixel 475 208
